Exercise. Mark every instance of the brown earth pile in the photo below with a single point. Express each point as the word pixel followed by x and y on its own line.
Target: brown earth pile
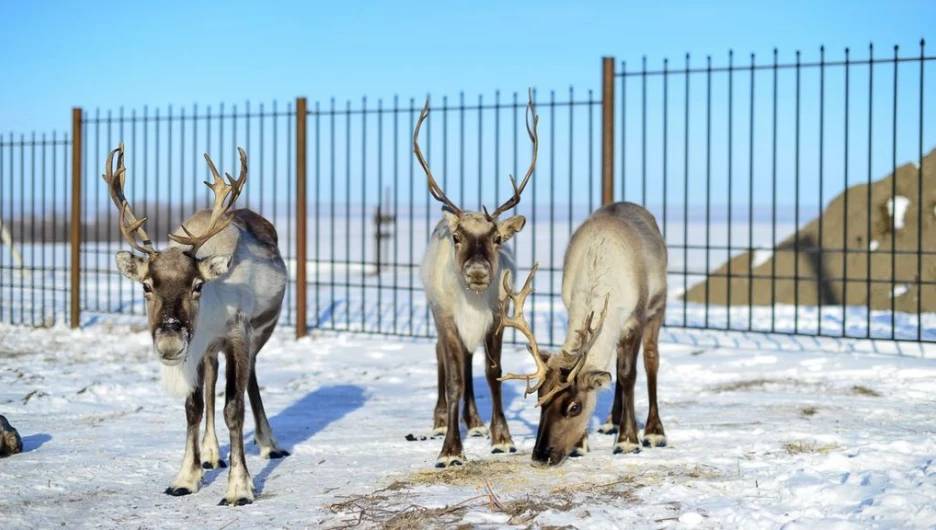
pixel 835 252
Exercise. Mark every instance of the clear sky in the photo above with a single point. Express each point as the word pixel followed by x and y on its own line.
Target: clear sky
pixel 91 53
pixel 107 55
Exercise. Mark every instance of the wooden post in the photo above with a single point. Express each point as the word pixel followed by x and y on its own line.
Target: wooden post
pixel 607 130
pixel 75 284
pixel 301 217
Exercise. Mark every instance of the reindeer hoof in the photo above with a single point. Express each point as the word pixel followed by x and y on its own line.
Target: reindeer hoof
pixel 281 453
pixel 209 465
pixel 243 501
pixel 654 440
pixel 449 461
pixel 503 448
pixel 439 431
pixel 178 492
pixel 608 428
pixel 626 448
pixel 478 432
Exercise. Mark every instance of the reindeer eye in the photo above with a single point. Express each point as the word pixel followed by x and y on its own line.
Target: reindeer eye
pixel 147 288
pixel 497 239
pixel 197 287
pixel 574 409
pixel 456 238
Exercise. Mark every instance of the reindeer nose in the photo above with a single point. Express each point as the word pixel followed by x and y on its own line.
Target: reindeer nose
pixel 171 326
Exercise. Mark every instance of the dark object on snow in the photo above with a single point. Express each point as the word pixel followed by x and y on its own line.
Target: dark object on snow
pixel 10 441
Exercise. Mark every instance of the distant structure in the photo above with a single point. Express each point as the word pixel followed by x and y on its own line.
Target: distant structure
pixel 7 240
pixel 844 256
pixel 385 223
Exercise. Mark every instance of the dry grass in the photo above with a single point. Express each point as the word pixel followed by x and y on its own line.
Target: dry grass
pixel 865 391
pixel 808 411
pixel 797 447
pixel 391 507
pixel 753 384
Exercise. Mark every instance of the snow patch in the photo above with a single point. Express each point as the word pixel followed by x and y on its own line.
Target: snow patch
pixel 874 245
pixel 761 256
pixel 900 290
pixel 897 209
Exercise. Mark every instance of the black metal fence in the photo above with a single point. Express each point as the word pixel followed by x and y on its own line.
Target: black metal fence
pixel 745 167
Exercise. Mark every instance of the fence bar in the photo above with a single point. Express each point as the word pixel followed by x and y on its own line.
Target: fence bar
pixel 77 140
pixel 607 130
pixel 301 217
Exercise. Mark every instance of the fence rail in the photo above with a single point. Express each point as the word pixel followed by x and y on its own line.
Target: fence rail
pixel 746 168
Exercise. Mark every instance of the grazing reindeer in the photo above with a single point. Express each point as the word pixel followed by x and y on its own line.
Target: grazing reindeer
pixel 616 255
pixel 221 290
pixel 466 255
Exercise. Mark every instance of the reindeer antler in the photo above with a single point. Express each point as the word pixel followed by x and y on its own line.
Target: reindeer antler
pixel 515 199
pixel 130 226
pixel 577 357
pixel 519 322
pixel 434 189
pixel 220 217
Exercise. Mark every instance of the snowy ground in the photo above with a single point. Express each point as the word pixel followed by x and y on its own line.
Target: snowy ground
pixel 758 438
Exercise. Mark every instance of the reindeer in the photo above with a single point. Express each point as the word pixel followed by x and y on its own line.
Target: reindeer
pixel 617 255
pixel 466 255
pixel 220 290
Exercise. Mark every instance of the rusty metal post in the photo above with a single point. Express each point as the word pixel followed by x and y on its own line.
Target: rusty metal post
pixel 75 284
pixel 607 130
pixel 301 218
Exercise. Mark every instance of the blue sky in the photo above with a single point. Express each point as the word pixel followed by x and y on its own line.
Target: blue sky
pixel 105 55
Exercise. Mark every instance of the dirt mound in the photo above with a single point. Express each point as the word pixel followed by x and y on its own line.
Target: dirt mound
pixel 829 261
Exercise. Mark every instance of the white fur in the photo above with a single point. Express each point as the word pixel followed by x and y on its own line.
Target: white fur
pixel 240 485
pixel 473 318
pixel 190 474
pixel 180 380
pixel 210 451
pixel 655 440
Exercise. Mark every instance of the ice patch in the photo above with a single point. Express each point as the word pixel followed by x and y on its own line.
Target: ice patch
pixel 897 209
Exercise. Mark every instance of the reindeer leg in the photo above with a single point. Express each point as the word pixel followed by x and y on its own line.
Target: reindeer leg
pixel 627 441
pixel 501 442
pixel 191 474
pixel 610 425
pixel 653 429
pixel 440 419
pixel 452 453
pixel 240 488
pixel 263 434
pixel 210 450
pixel 471 417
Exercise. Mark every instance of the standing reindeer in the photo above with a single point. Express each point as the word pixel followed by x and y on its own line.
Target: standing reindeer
pixel 466 255
pixel 221 290
pixel 615 263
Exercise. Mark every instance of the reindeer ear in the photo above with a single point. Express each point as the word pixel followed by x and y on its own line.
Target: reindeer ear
pixel 132 267
pixel 451 218
pixel 594 379
pixel 212 267
pixel 510 227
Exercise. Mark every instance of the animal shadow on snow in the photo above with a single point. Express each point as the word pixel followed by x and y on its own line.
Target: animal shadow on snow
pixel 298 423
pixel 34 441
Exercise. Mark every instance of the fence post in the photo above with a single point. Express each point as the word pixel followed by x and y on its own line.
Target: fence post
pixel 607 130
pixel 75 283
pixel 301 217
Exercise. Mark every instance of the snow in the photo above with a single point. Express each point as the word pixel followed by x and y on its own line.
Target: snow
pixel 761 256
pixel 897 209
pixel 827 435
pixel 899 290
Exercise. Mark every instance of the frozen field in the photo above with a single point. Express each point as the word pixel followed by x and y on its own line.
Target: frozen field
pixel 758 438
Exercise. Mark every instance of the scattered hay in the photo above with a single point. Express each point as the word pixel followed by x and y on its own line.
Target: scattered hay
pixel 808 411
pixel 797 447
pixel 862 390
pixel 391 507
pixel 752 384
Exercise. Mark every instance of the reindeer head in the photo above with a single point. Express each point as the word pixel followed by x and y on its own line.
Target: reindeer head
pixel 478 236
pixel 566 389
pixel 172 279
